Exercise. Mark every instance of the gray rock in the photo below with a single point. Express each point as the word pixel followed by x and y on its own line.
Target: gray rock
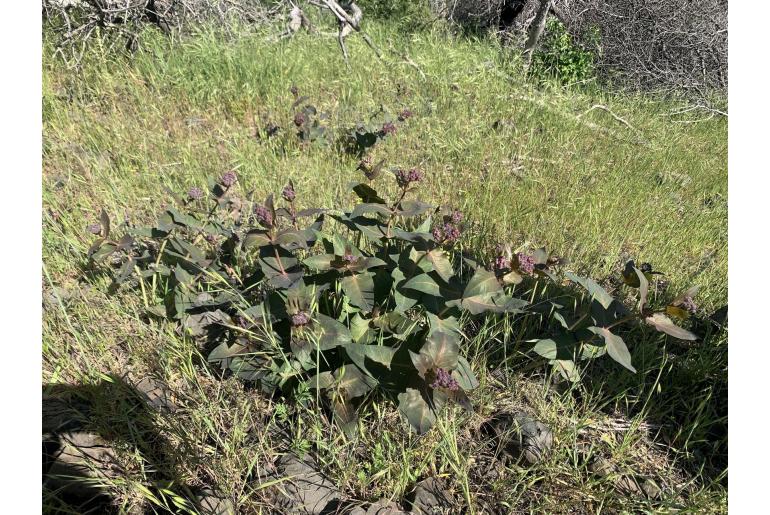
pixel 156 394
pixel 307 489
pixel 431 499
pixel 381 507
pixel 522 436
pixel 80 459
pixel 602 467
pixel 651 489
pixel 213 503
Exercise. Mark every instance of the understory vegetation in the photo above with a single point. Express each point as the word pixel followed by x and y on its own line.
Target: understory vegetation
pixel 527 227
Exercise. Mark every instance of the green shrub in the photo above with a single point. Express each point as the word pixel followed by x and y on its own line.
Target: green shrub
pixel 561 58
pixel 353 302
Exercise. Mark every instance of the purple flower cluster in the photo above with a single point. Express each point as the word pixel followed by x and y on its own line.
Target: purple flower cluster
pixel 501 263
pixel 299 119
pixel 195 193
pixel 526 263
pixel 95 228
pixel 449 231
pixel 349 258
pixel 388 128
pixel 446 233
pixel 405 114
pixel 689 305
pixel 405 177
pixel 264 216
pixel 300 319
pixel 228 179
pixel 445 380
pixel 288 193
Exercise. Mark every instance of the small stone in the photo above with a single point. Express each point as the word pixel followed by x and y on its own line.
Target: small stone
pixel 307 489
pixel 213 503
pixel 430 498
pixel 80 457
pixel 522 436
pixel 602 467
pixel 651 489
pixel 157 395
pixel 628 485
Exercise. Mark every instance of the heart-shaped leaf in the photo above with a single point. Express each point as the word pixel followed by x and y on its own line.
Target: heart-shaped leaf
pixel 360 290
pixel 416 409
pixel 665 325
pixel 423 283
pixel 616 347
pixel 597 292
pixel 441 263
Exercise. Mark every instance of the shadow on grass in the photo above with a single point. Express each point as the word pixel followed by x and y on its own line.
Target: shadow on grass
pixel 82 426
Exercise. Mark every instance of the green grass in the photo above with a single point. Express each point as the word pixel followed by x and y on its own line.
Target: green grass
pixel 530 166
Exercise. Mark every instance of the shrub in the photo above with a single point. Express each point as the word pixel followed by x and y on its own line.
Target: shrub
pixel 560 58
pixel 350 303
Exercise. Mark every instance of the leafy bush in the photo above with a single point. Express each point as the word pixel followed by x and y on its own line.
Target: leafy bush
pixel 349 303
pixel 560 58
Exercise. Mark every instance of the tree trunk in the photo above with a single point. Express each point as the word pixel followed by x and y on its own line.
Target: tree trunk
pixel 536 29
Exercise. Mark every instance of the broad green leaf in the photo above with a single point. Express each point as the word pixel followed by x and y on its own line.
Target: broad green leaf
pixel 360 290
pixel 412 237
pixel 319 261
pixel 441 263
pixel 644 287
pixel 331 333
pixel 560 347
pixel 378 353
pixel 447 325
pixel 416 410
pixel 403 302
pixel 345 416
pixel 567 369
pixel 597 292
pixel 352 383
pixel 367 194
pixel 410 208
pixel 362 209
pixel 321 381
pixel 483 282
pixel 360 330
pixel 616 347
pixel 464 375
pixel 106 249
pixel 279 266
pixel 292 240
pixel 423 283
pixel 665 325
pixel 442 349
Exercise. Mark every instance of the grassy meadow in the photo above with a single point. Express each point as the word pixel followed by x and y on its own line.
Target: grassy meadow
pixel 529 165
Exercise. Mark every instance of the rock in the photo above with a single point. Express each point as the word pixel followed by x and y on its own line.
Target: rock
pixel 62 415
pixel 307 489
pixel 156 394
pixel 75 457
pixel 213 503
pixel 651 489
pixel 628 484
pixel 381 507
pixel 602 467
pixel 384 507
pixel 430 498
pixel 522 436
